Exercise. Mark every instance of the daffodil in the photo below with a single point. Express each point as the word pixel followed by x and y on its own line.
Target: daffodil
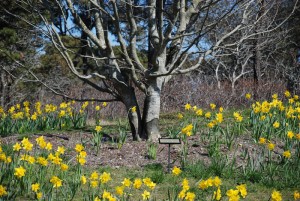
pixel 56 182
pixel 181 194
pixel 199 112
pixel 62 113
pixel 203 184
pixel 238 117
pixel 48 146
pixel 98 129
pixel 83 179
pixel 105 177
pixel 287 154
pixel 242 189
pixel 176 171
pixel 262 140
pixel 287 94
pixel 120 190
pixel 233 195
pixel 271 146
pixel 296 195
pixel 248 96
pixel 276 196
pixel 217 182
pixel 35 187
pixel 39 195
pixel 187 130
pixel 290 134
pixel 276 124
pixel 207 115
pixel 212 106
pixel 17 147
pixel 94 175
pixel 221 109
pixel 97 108
pixel 185 184
pixel 64 167
pixel 26 144
pixel 94 183
pixel 179 116
pixel 42 161
pixel 137 183
pixel 97 198
pixel 275 96
pixel 20 172
pixel 190 196
pixel 146 195
pixel 79 148
pixel 126 182
pixel 133 109
pixel 63 105
pixel 219 117
pixel 60 150
pixel 217 194
pixel 81 160
pixel 3 191
pixel 187 106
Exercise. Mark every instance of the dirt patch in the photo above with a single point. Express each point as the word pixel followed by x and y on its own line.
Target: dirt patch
pixel 134 154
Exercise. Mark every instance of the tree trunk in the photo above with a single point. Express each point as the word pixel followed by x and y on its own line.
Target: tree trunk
pixel 2 88
pixel 257 54
pixel 128 96
pixel 134 117
pixel 5 89
pixel 152 109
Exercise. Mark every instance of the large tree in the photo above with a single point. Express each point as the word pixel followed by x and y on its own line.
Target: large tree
pixel 177 36
pixel 18 50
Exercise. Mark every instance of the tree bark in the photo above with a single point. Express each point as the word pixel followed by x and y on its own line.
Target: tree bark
pixel 128 98
pixel 134 118
pixel 2 88
pixel 257 51
pixel 152 109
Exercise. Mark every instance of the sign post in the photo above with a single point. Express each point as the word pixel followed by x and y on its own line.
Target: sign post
pixel 169 141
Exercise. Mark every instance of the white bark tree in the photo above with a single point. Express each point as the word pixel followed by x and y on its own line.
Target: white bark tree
pixel 171 32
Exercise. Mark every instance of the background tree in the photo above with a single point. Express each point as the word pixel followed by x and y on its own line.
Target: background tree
pixel 18 50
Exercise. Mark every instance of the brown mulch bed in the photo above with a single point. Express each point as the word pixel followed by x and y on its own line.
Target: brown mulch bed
pixel 134 154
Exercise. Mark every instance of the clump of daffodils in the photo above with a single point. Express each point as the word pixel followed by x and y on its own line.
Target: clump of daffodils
pixel 187 130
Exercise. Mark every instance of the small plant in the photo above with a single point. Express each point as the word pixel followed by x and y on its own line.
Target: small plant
pixel 97 138
pixel 152 150
pixel 218 164
pixel 122 134
pixel 213 147
pixel 122 139
pixel 229 135
pixel 157 176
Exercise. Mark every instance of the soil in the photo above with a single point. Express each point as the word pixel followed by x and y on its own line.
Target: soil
pixel 135 154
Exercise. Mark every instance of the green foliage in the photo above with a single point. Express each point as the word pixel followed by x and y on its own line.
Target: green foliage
pixel 197 170
pixel 40 118
pixel 152 150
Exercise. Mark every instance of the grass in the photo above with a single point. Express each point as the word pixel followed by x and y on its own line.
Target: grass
pixel 165 182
